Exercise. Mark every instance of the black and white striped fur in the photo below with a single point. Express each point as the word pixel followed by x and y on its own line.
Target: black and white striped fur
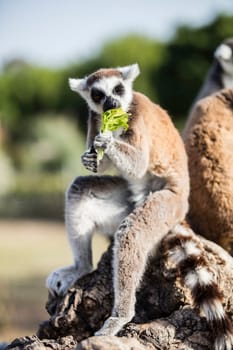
pixel 185 251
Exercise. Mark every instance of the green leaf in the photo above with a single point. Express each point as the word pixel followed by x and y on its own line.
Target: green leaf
pixel 112 120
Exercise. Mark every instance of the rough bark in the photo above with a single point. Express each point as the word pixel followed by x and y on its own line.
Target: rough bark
pixel 165 317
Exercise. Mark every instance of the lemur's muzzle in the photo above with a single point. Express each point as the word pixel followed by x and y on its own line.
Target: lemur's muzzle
pixel 110 103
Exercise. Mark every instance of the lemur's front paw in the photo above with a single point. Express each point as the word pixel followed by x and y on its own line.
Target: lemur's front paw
pixel 89 160
pixel 60 280
pixel 103 140
pixel 112 325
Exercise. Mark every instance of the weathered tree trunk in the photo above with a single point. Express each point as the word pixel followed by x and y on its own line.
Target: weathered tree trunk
pixel 165 317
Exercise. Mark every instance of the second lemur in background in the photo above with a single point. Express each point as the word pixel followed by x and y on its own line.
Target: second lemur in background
pixel 219 76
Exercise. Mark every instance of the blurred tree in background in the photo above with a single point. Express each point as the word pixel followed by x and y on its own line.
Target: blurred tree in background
pixel 43 123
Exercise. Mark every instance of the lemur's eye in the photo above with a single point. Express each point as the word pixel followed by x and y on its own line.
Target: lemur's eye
pixel 97 95
pixel 119 90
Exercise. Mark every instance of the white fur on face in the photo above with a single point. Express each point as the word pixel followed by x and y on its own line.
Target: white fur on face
pixel 228 69
pixel 224 55
pixel 223 52
pixel 107 84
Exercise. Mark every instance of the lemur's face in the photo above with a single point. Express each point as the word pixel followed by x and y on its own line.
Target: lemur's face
pixel 224 54
pixel 107 88
pixel 108 93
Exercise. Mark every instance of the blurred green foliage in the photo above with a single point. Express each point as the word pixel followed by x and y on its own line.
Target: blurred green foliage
pixel 43 123
pixel 53 146
pixel 171 74
pixel 189 56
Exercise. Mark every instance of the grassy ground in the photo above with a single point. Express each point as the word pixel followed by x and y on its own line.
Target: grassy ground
pixel 29 250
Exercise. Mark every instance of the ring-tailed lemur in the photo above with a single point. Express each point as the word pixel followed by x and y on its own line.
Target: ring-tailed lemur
pixel 184 251
pixel 220 75
pixel 208 139
pixel 140 205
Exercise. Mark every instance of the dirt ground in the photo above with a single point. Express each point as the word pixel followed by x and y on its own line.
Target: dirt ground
pixel 29 251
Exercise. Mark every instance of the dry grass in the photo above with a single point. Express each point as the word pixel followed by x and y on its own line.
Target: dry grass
pixel 29 250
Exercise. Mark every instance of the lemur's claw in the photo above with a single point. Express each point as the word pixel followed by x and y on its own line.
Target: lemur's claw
pixel 60 280
pixel 89 160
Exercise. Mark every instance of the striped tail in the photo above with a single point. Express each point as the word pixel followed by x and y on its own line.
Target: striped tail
pixel 184 250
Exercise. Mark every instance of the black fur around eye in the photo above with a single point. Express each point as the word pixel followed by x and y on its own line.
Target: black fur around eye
pixel 119 90
pixel 97 95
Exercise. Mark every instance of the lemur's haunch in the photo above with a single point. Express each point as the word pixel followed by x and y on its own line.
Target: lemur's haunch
pixel 209 144
pixel 140 205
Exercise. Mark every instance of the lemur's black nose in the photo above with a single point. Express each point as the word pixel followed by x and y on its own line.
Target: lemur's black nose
pixel 110 103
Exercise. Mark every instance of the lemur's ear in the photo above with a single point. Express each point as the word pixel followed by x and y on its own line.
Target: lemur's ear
pixel 223 51
pixel 130 72
pixel 78 85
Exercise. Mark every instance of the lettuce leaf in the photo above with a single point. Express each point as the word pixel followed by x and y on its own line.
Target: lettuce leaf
pixel 112 120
